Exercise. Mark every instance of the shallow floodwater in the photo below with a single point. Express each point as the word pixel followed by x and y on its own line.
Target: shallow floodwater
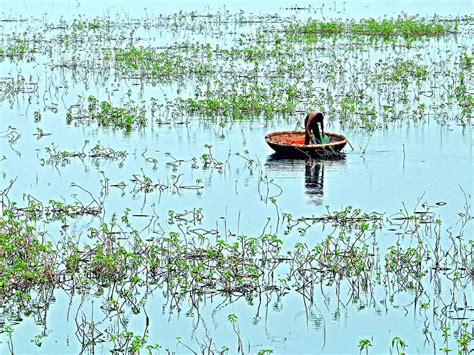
pixel 407 166
pixel 400 165
pixel 354 9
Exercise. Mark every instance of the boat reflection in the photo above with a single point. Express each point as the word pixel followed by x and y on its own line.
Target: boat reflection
pixel 314 172
pixel 314 177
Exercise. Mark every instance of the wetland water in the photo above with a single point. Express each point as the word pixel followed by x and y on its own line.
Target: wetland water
pixel 164 223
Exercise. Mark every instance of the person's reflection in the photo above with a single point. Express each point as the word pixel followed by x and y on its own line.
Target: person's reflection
pixel 314 179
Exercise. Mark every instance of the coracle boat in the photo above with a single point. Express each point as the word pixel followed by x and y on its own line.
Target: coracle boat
pixel 291 143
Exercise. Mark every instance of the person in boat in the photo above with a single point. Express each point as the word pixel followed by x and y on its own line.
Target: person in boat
pixel 311 124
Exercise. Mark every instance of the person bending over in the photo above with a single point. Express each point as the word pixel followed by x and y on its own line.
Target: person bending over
pixel 312 133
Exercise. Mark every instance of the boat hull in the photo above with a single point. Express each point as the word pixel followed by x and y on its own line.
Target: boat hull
pixel 291 143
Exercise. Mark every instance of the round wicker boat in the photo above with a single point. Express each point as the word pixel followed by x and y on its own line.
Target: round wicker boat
pixel 291 143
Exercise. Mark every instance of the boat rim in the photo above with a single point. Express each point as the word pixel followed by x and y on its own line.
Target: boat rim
pixel 270 135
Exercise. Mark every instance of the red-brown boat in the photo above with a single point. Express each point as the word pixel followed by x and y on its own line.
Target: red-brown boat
pixel 291 143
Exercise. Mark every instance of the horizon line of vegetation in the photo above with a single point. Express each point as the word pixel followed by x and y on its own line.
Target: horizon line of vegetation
pixel 405 26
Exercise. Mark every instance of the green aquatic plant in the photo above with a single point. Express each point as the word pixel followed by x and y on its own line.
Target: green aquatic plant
pixel 446 336
pixel 399 344
pixel 464 97
pixel 466 60
pixel 209 161
pixel 406 265
pixel 265 351
pixel 462 336
pixel 195 262
pixel 364 344
pixel 63 157
pixel 465 340
pixel 159 65
pixel 242 68
pixel 406 70
pixel 233 320
pixel 257 101
pixel 153 62
pixel 27 260
pixel 18 50
pixel 257 74
pixel 105 114
pixel 404 26
pixel 319 27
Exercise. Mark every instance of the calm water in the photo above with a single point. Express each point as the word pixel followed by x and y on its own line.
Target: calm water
pixel 396 165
